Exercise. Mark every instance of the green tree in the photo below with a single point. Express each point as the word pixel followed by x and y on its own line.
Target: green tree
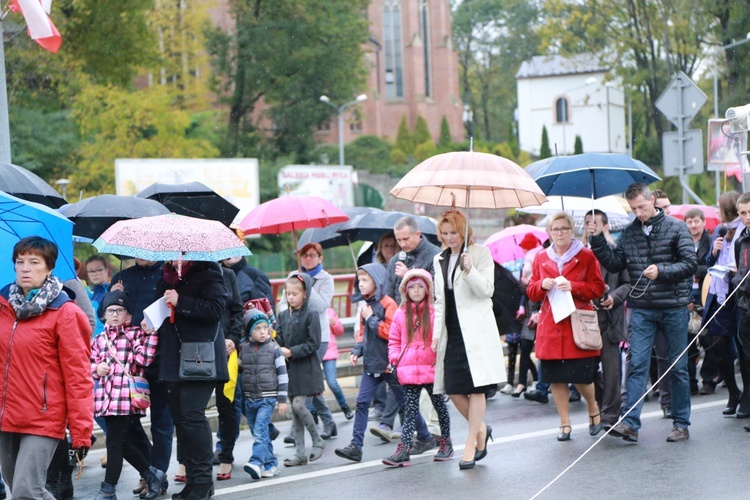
pixel 425 150
pixel 119 123
pixel 288 54
pixel 404 138
pixel 369 152
pixel 578 145
pixel 398 157
pixel 445 134
pixel 492 38
pixel 544 150
pixel 421 131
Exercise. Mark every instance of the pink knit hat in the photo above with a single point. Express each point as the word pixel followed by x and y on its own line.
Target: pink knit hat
pixel 413 277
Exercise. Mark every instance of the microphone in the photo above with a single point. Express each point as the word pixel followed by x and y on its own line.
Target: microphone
pixel 722 231
pixel 606 292
pixel 401 256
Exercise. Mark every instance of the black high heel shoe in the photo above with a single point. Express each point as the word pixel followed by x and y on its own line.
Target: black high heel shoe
pixel 595 429
pixel 731 407
pixel 466 465
pixel 517 392
pixel 564 436
pixel 480 454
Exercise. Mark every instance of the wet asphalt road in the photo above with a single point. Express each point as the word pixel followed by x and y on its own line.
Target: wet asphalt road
pixel 523 459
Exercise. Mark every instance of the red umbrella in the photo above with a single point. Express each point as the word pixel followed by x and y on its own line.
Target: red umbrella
pixel 711 213
pixel 290 213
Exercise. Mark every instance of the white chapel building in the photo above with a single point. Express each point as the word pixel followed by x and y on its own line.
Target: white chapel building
pixel 570 96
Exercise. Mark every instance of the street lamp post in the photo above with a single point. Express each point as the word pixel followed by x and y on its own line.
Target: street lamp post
pixel 340 110
pixel 63 183
pixel 716 100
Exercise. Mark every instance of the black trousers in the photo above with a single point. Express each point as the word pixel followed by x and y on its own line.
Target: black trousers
pixel 120 447
pixel 187 404
pixel 227 424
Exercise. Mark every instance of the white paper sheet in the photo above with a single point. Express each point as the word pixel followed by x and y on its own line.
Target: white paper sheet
pixel 561 303
pixel 720 271
pixel 156 313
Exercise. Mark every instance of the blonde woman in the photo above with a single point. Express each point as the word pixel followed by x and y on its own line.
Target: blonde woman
pixel 469 352
pixel 569 266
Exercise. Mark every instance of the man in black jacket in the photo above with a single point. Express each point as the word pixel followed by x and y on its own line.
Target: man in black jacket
pixel 659 255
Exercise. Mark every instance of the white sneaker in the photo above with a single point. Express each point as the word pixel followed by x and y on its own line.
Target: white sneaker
pixel 253 470
pixel 272 472
pixel 508 389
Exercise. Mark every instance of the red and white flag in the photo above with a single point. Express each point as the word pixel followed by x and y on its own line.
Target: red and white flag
pixel 40 26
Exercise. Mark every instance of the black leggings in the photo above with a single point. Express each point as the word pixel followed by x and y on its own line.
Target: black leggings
pixel 525 364
pixel 411 412
pixel 119 447
pixel 512 353
pixel 719 358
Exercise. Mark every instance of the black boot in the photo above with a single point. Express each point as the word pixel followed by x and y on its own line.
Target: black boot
pixel 184 493
pixel 53 484
pixel 154 478
pixel 201 491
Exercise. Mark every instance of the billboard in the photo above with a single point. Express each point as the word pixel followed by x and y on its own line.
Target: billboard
pixel 335 184
pixel 236 179
pixel 724 149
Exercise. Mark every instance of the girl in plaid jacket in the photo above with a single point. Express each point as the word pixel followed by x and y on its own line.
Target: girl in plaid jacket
pixel 121 345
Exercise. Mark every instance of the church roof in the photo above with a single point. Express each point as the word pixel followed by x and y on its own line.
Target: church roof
pixel 557 65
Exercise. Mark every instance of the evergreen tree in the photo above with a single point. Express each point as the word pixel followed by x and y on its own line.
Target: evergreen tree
pixel 404 139
pixel 445 134
pixel 544 150
pixel 421 131
pixel 578 146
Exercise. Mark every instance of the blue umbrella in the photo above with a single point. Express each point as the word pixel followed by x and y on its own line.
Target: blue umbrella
pixel 19 219
pixel 589 175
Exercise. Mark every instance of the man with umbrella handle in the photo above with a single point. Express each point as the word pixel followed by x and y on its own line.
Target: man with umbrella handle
pixel 659 255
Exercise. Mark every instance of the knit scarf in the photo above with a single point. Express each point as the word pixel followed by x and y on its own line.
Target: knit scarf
pixel 718 287
pixel 315 270
pixel 563 259
pixel 36 303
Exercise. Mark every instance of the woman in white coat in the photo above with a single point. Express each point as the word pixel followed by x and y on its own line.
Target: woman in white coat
pixel 466 339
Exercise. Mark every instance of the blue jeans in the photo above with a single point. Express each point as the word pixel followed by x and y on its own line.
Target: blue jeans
pixel 258 413
pixel 329 369
pixel 541 387
pixel 645 323
pixel 366 393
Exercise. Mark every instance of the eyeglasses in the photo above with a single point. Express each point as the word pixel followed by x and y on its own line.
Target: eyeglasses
pixel 560 230
pixel 115 312
pixel 96 271
pixel 310 255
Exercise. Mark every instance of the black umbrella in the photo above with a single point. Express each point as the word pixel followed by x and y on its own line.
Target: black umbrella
pixel 93 216
pixel 328 236
pixel 371 226
pixel 193 199
pixel 24 184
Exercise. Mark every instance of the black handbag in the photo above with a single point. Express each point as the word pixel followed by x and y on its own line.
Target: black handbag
pixel 198 360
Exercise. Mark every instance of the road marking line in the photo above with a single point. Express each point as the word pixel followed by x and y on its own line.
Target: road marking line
pixel 378 463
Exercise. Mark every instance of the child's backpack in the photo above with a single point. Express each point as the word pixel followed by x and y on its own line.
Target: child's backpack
pixel 505 301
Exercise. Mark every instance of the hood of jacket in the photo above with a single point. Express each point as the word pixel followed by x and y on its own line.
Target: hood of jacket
pixel 422 275
pixel 379 275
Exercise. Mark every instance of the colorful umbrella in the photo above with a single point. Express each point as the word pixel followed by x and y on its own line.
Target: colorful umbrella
pixel 171 237
pixel 92 216
pixel 469 180
pixel 21 218
pixel 711 213
pixel 504 245
pixel 290 213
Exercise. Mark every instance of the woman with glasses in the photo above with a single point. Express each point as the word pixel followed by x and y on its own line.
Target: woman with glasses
pixel 469 353
pixel 567 266
pixel 45 379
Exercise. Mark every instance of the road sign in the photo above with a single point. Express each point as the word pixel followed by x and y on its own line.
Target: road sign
pixel 692 148
pixel 682 104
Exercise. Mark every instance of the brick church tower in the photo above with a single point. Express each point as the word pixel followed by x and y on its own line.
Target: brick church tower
pixel 413 70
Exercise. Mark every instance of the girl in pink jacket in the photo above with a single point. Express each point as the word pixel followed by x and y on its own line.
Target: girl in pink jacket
pixel 411 355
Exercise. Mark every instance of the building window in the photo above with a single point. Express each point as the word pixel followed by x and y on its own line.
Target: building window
pixel 394 54
pixel 424 33
pixel 324 127
pixel 356 125
pixel 561 110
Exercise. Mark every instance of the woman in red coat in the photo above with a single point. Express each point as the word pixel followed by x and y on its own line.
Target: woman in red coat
pixel 569 266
